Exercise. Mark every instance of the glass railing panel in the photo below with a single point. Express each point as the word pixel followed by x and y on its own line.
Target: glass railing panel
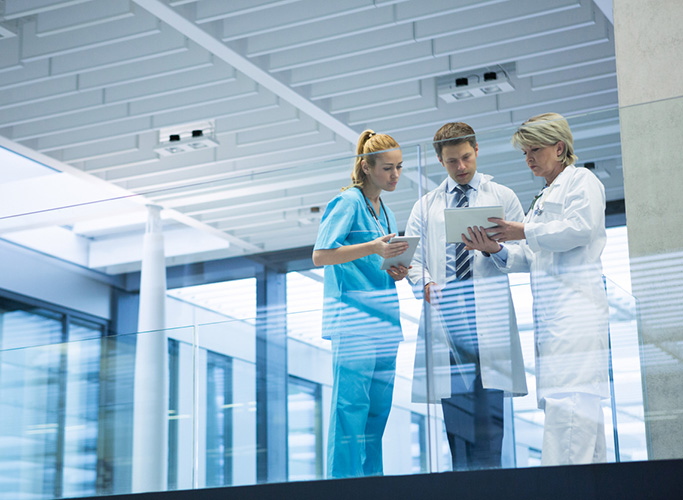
pixel 527 336
pixel 226 405
pixel 205 356
pixel 81 413
pixel 423 357
pixel 623 410
pixel 627 410
pixel 656 266
pixel 527 428
pixel 69 414
pixel 31 431
pixel 405 443
pixel 310 376
pixel 471 347
pixel 274 314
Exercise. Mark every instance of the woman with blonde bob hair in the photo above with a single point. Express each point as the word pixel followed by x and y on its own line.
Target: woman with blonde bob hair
pixel 563 236
pixel 360 308
pixel 546 130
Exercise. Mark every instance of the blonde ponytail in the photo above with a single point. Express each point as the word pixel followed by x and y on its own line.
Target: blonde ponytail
pixel 368 143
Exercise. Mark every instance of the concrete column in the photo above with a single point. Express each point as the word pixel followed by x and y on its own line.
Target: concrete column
pixel 649 41
pixel 150 414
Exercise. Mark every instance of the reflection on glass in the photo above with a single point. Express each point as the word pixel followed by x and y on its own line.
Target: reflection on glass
pixel 231 299
pixel 66 406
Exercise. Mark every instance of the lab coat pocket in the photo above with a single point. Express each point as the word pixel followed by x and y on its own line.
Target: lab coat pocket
pixel 552 210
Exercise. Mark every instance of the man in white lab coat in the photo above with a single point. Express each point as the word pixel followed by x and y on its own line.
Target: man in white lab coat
pixel 468 355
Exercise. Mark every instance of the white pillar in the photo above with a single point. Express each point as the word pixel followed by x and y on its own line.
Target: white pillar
pixel 150 414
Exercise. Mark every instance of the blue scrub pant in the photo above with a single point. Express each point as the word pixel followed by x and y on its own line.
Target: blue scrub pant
pixel 473 415
pixel 363 370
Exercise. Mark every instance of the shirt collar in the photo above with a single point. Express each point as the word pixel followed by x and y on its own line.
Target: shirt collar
pixel 559 178
pixel 474 183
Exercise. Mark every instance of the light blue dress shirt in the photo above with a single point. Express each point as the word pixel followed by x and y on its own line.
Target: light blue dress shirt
pixel 451 201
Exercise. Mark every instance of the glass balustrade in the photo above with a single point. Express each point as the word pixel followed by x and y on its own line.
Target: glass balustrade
pixel 244 387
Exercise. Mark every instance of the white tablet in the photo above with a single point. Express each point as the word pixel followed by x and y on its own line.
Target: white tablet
pixel 459 219
pixel 405 258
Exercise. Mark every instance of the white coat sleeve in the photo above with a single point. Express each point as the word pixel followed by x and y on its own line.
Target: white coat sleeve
pixel 583 209
pixel 418 274
pixel 517 261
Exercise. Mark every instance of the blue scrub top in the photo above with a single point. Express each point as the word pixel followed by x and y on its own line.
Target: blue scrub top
pixel 360 299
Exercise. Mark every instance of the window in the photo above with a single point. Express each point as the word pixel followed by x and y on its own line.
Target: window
pixel 49 401
pixel 418 443
pixel 218 420
pixel 173 411
pixel 80 408
pixel 304 426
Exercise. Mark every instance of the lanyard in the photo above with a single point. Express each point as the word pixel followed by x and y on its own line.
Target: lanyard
pixel 374 215
pixel 542 195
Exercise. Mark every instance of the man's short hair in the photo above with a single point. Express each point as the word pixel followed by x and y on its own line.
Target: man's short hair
pixel 452 134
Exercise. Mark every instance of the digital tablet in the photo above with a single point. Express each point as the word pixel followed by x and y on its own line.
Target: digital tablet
pixel 405 258
pixel 459 219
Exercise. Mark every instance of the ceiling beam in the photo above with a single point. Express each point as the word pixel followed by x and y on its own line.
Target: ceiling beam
pixel 120 193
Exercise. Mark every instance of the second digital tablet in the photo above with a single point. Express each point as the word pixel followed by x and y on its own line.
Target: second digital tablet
pixel 405 258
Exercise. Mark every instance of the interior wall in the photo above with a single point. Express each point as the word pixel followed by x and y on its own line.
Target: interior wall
pixel 29 273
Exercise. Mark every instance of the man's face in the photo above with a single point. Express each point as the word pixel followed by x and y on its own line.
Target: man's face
pixel 460 161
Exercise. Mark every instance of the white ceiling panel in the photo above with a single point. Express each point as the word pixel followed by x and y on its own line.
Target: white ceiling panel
pixel 356 30
pixel 213 10
pixel 92 37
pixel 83 16
pixel 23 8
pixel 302 14
pixel 356 46
pixel 158 43
pixel 498 19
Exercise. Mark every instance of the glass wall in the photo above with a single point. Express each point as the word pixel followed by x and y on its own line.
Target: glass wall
pixel 250 379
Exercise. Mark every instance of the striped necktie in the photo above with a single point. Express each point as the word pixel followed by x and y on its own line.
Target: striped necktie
pixel 463 264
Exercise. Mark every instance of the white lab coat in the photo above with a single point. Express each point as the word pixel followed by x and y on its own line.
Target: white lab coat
pixel 562 252
pixel 500 353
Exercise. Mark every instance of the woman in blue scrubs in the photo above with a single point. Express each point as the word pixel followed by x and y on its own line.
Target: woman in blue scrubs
pixel 361 311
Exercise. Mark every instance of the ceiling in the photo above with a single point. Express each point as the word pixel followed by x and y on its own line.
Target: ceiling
pixel 90 88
